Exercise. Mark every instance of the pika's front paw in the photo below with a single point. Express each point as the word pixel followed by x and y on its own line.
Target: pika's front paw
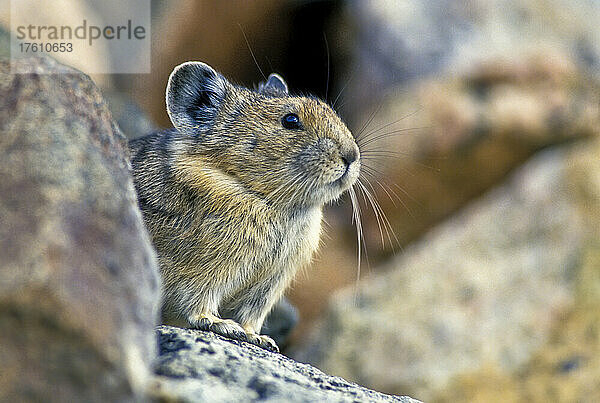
pixel 232 330
pixel 224 327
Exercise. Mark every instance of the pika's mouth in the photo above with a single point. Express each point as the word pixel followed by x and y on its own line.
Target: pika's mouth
pixel 348 177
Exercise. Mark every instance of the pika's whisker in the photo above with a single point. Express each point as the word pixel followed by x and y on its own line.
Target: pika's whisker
pixel 377 181
pixel 359 236
pixel 367 200
pixel 407 194
pixel 403 168
pixel 327 49
pixel 384 215
pixel 377 213
pixel 366 169
pixel 277 194
pixel 251 52
pixel 393 123
pixel 386 153
pixel 387 187
pixel 396 154
pixel 387 225
pixel 341 105
pixel 368 122
pixel 291 182
pixel 394 133
pixel 342 91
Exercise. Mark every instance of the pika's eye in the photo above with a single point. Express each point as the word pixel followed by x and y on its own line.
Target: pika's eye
pixel 291 121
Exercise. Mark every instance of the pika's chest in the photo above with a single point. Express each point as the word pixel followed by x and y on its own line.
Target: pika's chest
pixel 250 246
pixel 298 237
pixel 283 246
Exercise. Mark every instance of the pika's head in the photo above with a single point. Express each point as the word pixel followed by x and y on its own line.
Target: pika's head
pixel 288 150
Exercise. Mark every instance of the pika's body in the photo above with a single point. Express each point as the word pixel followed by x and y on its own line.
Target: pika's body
pixel 233 195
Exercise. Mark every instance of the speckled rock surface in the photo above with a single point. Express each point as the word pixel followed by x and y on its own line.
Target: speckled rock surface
pixel 79 287
pixel 500 286
pixel 197 366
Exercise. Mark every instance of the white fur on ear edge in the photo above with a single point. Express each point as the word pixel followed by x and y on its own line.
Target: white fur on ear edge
pixel 194 95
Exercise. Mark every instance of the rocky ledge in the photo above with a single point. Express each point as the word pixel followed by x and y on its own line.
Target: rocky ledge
pixel 198 366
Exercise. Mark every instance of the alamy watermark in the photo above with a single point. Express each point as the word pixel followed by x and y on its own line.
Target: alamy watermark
pixel 113 36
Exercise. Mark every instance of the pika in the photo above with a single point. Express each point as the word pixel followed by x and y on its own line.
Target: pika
pixel 232 196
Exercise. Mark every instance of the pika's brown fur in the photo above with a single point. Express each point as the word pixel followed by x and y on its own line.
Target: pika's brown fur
pixel 233 195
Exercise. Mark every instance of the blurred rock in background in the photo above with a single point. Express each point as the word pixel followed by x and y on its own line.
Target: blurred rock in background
pixel 509 283
pixel 437 139
pixel 132 120
pixel 492 296
pixel 393 42
pixel 466 134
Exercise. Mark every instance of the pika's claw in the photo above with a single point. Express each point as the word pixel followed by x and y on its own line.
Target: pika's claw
pixel 259 339
pixel 263 341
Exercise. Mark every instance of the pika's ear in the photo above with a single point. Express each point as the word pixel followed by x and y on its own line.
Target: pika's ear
pixel 195 93
pixel 275 84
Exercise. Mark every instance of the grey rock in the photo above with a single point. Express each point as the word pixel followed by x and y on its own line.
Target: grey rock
pixel 79 286
pixel 198 366
pixel 485 288
pixel 397 41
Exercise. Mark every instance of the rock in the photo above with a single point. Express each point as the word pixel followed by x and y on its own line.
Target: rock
pixel 394 42
pixel 131 119
pixel 79 287
pixel 197 366
pixel 504 293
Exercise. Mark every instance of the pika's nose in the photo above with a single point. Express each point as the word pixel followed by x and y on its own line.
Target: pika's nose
pixel 350 155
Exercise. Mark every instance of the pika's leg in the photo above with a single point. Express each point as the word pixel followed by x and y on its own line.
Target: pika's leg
pixel 251 308
pixel 201 313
